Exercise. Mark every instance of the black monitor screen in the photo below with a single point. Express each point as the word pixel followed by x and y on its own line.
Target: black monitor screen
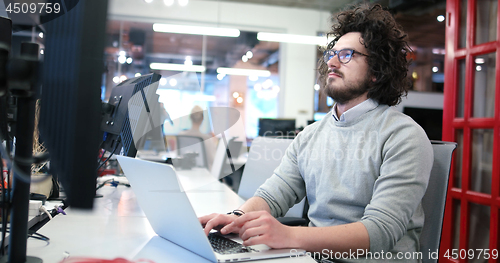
pixel 431 120
pixel 5 41
pixel 134 117
pixel 277 127
pixel 70 111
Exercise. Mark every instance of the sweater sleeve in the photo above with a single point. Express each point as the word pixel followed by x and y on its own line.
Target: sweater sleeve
pixel 286 186
pixel 407 159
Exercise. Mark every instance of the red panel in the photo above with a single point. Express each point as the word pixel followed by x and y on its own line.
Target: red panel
pixel 475 123
pixel 495 174
pixel 484 48
pixel 482 123
pixel 479 198
pixel 460 54
pixel 450 123
pixel 464 225
pixel 450 73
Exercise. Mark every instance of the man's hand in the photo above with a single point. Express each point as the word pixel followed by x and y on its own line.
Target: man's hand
pixel 261 228
pixel 217 221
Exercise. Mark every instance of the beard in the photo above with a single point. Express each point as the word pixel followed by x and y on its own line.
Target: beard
pixel 350 91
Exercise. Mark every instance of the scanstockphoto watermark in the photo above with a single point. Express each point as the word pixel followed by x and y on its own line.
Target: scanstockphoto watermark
pixel 321 152
pixel 358 254
pixel 344 136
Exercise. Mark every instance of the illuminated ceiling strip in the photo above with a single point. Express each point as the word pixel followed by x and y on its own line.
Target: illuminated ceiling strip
pixel 244 72
pixel 177 67
pixel 288 38
pixel 196 30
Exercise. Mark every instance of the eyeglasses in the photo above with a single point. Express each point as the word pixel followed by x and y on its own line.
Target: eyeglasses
pixel 344 55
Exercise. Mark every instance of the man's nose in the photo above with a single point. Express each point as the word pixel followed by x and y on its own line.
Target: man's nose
pixel 333 62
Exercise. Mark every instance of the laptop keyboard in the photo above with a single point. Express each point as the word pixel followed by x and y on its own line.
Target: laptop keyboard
pixel 223 245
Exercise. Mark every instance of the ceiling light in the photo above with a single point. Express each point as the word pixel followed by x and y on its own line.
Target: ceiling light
pixel 249 54
pixel 244 72
pixel 267 84
pixel 172 82
pixel 220 76
pixel 177 67
pixel 244 58
pixel 41 51
pixel 188 61
pixel 168 2
pixel 122 59
pixel 196 30
pixel 123 78
pixel 129 60
pixel 236 94
pixel 116 79
pixel 288 38
pixel 41 34
pixel 479 60
pixel 253 78
pixel 137 74
pixel 239 100
pixel 257 87
pixel 440 18
pixel 183 2
pixel 479 68
pixel 163 81
pixel 435 69
pixel 316 86
pixel 276 89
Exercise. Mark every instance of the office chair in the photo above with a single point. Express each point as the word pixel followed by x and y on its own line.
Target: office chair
pixel 192 144
pixel 434 198
pixel 263 158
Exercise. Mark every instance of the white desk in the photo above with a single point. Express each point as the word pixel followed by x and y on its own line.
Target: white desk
pixel 117 227
pixel 156 156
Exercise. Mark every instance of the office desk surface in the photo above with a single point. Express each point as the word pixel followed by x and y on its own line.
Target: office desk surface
pixel 117 227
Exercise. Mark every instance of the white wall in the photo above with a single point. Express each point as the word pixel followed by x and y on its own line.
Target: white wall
pixel 297 62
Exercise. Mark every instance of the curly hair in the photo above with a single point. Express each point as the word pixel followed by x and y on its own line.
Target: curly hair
pixel 387 48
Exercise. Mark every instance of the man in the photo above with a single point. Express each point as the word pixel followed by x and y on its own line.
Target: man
pixel 364 168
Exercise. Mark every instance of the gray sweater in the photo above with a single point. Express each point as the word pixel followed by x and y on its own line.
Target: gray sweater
pixel 373 169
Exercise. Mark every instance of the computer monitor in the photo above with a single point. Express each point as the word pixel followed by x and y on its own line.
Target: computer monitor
pixel 70 111
pixel 431 120
pixel 134 115
pixel 277 127
pixel 319 115
pixel 71 107
pixel 5 42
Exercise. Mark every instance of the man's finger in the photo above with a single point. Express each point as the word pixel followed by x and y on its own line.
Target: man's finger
pixel 210 225
pixel 252 232
pixel 250 224
pixel 256 240
pixel 247 217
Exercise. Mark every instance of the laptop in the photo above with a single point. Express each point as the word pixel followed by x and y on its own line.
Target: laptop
pixel 167 207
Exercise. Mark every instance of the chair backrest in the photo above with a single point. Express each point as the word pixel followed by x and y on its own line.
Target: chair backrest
pixel 263 158
pixel 192 144
pixel 434 198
